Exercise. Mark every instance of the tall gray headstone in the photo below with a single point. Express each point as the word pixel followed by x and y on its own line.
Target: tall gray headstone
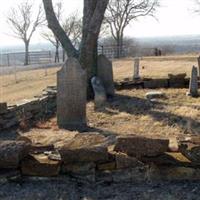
pixel 105 73
pixel 136 74
pixel 99 92
pixel 193 89
pixel 71 96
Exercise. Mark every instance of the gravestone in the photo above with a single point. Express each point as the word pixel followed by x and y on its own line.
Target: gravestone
pixel 198 59
pixel 105 73
pixel 193 89
pixel 71 96
pixel 99 92
pixel 136 74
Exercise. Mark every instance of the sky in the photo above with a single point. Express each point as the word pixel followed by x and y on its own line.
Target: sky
pixel 174 18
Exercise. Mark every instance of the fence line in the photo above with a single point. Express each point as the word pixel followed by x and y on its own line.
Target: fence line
pixel 35 57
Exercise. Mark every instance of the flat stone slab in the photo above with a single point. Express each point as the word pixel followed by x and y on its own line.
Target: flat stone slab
pixel 12 152
pixel 40 165
pixel 139 146
pixel 190 148
pixel 124 161
pixel 155 95
pixel 85 148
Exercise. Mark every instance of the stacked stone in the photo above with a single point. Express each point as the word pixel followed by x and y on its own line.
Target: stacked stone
pixel 89 157
pixel 50 94
pixel 29 111
pixel 177 81
pixel 8 118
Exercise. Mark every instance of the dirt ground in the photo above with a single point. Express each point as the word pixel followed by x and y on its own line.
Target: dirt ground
pixel 70 190
pixel 30 83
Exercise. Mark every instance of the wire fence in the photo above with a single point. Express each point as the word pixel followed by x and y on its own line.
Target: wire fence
pixel 113 51
pixel 34 57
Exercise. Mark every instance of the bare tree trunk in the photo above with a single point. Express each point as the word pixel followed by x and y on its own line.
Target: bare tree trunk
pixel 26 60
pixel 92 19
pixel 57 30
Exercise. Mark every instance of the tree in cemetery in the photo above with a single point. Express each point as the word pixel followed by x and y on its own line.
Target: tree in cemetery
pixel 24 24
pixel 120 13
pixel 73 28
pixel 49 36
pixel 93 15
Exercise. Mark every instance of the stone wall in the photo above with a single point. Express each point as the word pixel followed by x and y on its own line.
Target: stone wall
pixel 153 83
pixel 28 111
pixel 89 157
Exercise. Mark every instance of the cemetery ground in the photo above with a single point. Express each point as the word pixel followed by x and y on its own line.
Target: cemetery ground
pixel 130 112
pixel 32 82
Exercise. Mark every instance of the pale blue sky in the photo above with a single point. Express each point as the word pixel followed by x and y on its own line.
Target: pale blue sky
pixel 175 18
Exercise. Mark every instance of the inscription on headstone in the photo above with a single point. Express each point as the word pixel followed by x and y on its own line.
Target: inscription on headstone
pixel 193 89
pixel 136 74
pixel 99 92
pixel 105 73
pixel 71 96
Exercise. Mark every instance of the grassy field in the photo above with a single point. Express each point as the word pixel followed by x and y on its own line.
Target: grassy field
pixel 30 83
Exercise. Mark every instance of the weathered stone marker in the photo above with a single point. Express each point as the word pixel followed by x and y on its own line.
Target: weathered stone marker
pixel 193 89
pixel 198 59
pixel 136 74
pixel 105 73
pixel 99 92
pixel 71 96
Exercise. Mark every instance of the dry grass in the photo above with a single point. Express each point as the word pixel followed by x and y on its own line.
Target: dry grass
pixel 131 113
pixel 31 83
pixel 154 67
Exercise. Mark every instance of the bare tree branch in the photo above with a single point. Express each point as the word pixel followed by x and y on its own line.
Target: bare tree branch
pixel 58 31
pixel 121 12
pixel 73 28
pixel 23 24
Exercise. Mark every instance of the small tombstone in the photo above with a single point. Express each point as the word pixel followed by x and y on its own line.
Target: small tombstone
pixel 193 89
pixel 71 96
pixel 198 59
pixel 105 73
pixel 136 74
pixel 99 92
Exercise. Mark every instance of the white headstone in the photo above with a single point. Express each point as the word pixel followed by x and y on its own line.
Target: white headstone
pixel 99 92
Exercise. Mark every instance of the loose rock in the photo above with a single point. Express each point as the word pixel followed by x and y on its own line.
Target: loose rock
pixel 137 146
